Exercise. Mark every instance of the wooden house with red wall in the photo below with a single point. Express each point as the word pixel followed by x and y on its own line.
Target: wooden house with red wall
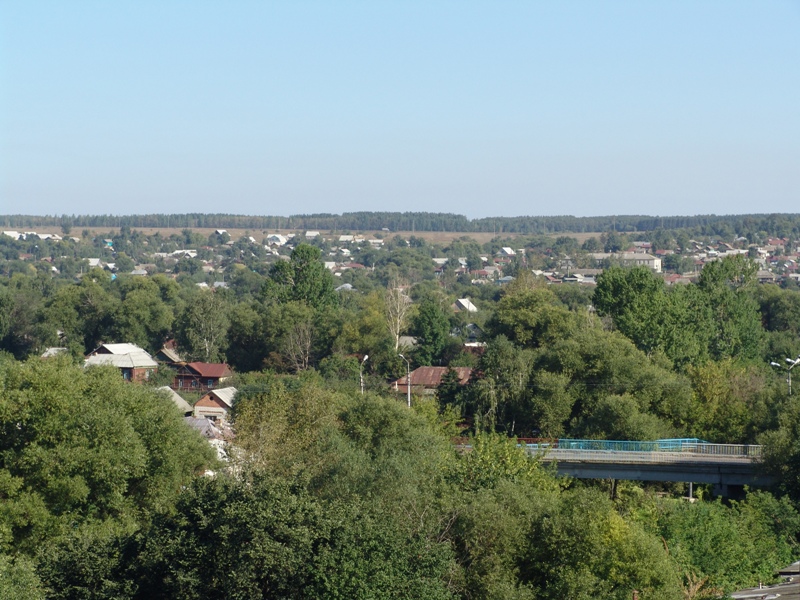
pixel 200 376
pixel 216 404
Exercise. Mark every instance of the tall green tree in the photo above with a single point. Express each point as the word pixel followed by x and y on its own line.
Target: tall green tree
pixel 202 328
pixel 729 285
pixel 303 278
pixel 531 317
pixel 142 318
pixel 432 327
pixel 82 445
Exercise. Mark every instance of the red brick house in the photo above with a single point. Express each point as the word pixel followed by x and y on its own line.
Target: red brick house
pixel 201 376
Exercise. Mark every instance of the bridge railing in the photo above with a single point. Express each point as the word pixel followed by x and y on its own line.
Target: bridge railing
pixel 691 446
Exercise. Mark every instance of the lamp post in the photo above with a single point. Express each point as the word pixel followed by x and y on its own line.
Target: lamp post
pixel 361 372
pixel 792 363
pixel 408 379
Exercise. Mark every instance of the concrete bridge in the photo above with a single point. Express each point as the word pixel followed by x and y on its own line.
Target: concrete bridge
pixel 727 467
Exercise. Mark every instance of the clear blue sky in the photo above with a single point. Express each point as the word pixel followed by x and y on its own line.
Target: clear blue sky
pixel 479 108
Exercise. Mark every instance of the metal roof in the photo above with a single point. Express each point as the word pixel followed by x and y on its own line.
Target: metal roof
pixel 204 426
pixel 465 304
pixel 171 354
pixel 182 404
pixel 226 395
pixel 210 369
pixel 54 351
pixel 432 376
pixel 132 360
pixel 118 348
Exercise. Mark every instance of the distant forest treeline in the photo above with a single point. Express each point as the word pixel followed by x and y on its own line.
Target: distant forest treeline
pixel 721 225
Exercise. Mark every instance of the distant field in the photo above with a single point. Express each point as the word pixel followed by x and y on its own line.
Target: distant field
pixel 436 237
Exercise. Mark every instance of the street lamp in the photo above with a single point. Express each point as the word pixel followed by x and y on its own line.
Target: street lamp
pixel 792 363
pixel 408 379
pixel 361 372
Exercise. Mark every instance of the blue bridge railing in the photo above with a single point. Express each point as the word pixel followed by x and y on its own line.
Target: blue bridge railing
pixel 680 445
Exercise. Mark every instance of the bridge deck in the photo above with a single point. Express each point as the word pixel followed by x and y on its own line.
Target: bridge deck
pixel 629 457
pixel 665 460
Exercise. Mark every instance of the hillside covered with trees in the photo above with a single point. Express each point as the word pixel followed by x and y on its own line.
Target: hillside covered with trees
pixel 715 225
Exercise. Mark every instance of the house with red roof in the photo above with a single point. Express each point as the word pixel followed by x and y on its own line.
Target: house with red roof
pixel 425 380
pixel 201 376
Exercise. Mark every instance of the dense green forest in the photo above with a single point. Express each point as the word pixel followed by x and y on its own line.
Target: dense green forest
pixel 715 225
pixel 331 493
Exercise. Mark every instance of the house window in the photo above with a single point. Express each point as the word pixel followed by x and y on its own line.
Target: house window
pixel 210 383
pixel 180 383
pixel 194 383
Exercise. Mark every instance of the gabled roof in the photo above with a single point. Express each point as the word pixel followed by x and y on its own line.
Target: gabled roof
pixel 182 404
pixel 132 360
pixel 205 426
pixel 54 351
pixel 226 395
pixel 123 356
pixel 432 376
pixel 465 304
pixel 171 354
pixel 117 349
pixel 215 370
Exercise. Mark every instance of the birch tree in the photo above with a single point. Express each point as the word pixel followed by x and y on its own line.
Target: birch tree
pixel 398 306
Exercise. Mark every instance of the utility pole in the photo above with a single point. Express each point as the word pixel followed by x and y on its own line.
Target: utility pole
pixel 408 379
pixel 361 372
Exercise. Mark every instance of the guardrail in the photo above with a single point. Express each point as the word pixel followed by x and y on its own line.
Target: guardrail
pixel 681 446
pixel 667 450
pixel 628 457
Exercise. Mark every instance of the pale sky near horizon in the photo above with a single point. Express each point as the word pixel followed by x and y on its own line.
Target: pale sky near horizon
pixel 472 107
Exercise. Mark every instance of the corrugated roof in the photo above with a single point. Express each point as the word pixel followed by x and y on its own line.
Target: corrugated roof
pixel 226 395
pixel 171 354
pixel 204 426
pixel 182 404
pixel 210 369
pixel 132 360
pixel 119 348
pixel 465 304
pixel 432 376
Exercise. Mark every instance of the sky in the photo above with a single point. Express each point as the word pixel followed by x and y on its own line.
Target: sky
pixel 481 108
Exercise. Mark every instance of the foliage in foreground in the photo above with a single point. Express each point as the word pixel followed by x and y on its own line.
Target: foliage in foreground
pixel 336 495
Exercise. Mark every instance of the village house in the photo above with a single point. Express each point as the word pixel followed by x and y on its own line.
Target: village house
pixel 216 404
pixel 200 376
pixel 134 362
pixel 426 380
